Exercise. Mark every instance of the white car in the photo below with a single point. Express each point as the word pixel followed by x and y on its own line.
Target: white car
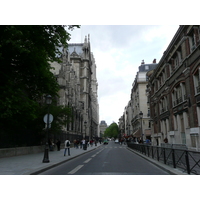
pixel 116 141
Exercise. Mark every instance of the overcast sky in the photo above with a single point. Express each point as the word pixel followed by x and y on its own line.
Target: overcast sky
pixel 118 52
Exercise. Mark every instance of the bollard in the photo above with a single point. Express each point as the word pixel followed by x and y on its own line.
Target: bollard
pixel 164 155
pixel 173 159
pixel 157 153
pixel 187 162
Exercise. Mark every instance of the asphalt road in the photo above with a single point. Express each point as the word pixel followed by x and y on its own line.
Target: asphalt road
pixel 111 159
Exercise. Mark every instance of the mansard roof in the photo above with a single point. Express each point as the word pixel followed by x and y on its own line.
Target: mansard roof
pixel 147 67
pixel 103 123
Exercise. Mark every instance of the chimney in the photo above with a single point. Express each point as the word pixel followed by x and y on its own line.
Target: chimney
pixel 142 62
pixel 154 61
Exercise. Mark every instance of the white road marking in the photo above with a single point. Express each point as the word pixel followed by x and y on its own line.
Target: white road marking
pixel 93 156
pixel 75 169
pixel 87 160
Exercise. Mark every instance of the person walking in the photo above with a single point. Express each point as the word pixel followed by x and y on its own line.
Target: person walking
pixel 95 142
pixel 81 144
pixel 75 143
pixel 84 144
pixel 67 147
pixel 58 145
pixel 91 143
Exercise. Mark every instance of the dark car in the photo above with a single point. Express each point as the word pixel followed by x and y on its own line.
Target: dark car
pixel 105 142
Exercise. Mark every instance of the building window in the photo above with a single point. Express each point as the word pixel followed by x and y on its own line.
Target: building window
pixel 163 105
pixel 175 123
pixel 146 67
pixel 197 81
pixel 179 56
pixel 192 41
pixel 179 94
pixel 183 137
pixel 148 114
pixel 176 62
pixel 193 140
pixel 172 65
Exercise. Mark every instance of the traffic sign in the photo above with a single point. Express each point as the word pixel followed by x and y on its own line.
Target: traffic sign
pixel 50 118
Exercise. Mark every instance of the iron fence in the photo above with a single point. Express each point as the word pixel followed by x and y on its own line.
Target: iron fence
pixel 188 161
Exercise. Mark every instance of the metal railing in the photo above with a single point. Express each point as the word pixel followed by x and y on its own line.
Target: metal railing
pixel 188 161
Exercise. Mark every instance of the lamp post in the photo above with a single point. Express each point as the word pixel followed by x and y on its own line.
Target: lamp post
pixel 85 145
pixel 141 116
pixel 85 124
pixel 46 151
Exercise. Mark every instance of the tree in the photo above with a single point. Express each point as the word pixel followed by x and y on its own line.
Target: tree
pixel 25 56
pixel 112 131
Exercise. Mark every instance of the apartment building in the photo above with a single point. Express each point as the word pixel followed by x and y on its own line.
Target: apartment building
pixel 140 125
pixel 174 91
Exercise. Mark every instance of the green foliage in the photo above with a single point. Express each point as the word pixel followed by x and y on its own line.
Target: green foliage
pixel 112 131
pixel 25 54
pixel 62 115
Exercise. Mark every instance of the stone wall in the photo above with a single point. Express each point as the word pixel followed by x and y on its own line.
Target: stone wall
pixel 8 152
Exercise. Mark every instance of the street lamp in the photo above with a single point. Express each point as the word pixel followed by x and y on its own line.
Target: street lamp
pixel 46 151
pixel 85 124
pixel 141 116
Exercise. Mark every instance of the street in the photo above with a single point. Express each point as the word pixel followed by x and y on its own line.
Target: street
pixel 111 159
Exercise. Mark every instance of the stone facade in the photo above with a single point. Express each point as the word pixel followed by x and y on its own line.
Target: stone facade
pixel 131 123
pixel 140 124
pixel 76 75
pixel 174 91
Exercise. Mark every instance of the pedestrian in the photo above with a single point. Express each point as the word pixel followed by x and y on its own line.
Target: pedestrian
pixel 147 141
pixel 91 143
pixel 58 145
pixel 50 142
pixel 67 147
pixel 75 143
pixel 81 144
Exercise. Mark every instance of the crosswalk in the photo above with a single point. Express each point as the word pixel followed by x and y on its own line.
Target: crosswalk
pixel 113 147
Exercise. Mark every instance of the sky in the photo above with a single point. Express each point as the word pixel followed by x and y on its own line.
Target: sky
pixel 118 51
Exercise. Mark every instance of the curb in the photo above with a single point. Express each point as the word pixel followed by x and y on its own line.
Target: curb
pixel 171 171
pixel 38 171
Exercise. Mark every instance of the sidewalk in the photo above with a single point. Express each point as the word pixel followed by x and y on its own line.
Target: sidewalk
pixel 172 171
pixel 32 163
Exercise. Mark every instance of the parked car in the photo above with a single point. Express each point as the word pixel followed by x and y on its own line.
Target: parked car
pixel 105 142
pixel 116 141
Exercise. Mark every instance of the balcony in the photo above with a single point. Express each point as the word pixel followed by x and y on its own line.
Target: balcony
pixel 198 89
pixel 179 100
pixel 163 110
